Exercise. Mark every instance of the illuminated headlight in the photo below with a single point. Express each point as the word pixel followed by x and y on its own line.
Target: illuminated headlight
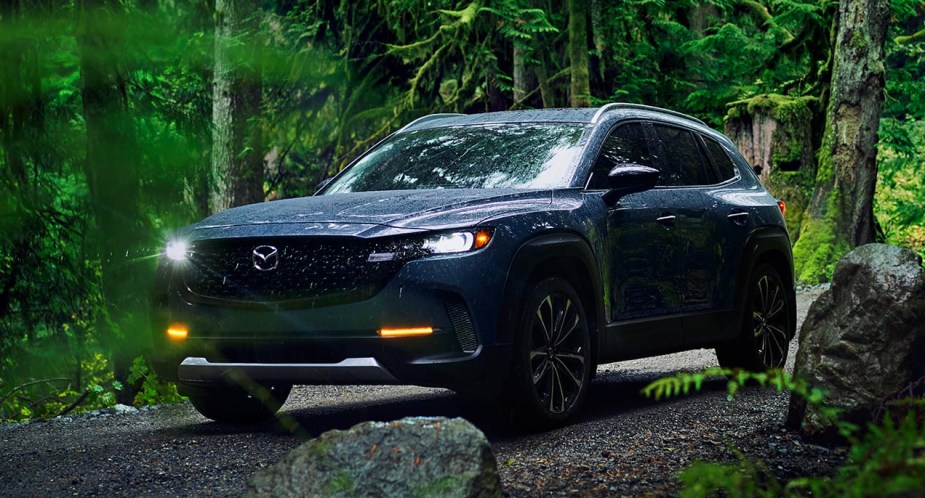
pixel 450 243
pixel 442 243
pixel 177 250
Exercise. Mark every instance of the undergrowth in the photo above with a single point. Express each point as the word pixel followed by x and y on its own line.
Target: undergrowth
pixel 885 458
pixel 94 389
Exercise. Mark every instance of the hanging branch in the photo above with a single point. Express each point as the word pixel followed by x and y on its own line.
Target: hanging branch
pixel 32 383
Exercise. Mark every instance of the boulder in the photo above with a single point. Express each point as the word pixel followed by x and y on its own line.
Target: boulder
pixel 864 338
pixel 408 457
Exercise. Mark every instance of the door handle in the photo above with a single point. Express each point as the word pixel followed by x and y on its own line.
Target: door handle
pixel 667 220
pixel 739 218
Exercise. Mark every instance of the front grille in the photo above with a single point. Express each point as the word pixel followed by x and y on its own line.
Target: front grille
pixel 462 325
pixel 322 270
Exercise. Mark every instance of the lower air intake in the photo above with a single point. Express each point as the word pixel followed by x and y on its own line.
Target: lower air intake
pixel 462 324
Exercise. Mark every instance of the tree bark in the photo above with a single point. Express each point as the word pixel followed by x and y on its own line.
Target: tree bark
pixel 237 148
pixel 111 166
pixel 775 133
pixel 520 73
pixel 580 94
pixel 841 216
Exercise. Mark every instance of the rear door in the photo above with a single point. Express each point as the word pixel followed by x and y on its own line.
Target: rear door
pixel 694 273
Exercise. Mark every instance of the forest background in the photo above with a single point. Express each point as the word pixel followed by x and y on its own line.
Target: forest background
pixel 123 120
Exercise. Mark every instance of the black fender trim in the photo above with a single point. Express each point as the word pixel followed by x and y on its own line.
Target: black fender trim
pixel 766 243
pixel 564 249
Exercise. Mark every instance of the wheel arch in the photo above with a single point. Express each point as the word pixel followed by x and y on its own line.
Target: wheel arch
pixel 566 255
pixel 767 245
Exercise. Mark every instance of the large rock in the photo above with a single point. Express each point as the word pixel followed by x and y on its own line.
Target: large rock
pixel 864 338
pixel 409 457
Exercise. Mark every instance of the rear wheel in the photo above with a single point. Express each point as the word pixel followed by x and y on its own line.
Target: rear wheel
pixel 234 404
pixel 552 364
pixel 764 340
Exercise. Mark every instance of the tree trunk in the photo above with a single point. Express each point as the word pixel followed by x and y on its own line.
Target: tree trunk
pixel 775 133
pixel 599 35
pixel 237 149
pixel 111 167
pixel 520 73
pixel 840 215
pixel 580 94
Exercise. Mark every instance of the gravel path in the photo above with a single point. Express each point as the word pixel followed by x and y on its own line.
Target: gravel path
pixel 622 444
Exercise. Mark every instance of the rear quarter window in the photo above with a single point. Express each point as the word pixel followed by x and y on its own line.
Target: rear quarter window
pixel 722 164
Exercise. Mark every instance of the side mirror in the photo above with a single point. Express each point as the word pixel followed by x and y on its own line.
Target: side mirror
pixel 629 178
pixel 757 169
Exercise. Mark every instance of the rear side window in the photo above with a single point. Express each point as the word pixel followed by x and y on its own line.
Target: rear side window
pixel 679 158
pixel 626 144
pixel 722 165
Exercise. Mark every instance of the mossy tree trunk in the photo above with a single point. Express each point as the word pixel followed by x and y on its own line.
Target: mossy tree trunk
pixel 580 94
pixel 840 215
pixel 237 149
pixel 775 133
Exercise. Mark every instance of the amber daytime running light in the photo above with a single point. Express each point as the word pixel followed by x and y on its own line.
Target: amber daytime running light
pixel 177 332
pixel 405 332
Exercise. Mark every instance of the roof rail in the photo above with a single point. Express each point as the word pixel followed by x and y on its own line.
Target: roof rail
pixel 428 117
pixel 621 105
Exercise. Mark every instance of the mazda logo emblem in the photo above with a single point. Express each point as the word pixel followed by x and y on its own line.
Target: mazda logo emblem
pixel 265 258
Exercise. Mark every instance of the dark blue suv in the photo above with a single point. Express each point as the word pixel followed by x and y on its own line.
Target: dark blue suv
pixel 502 255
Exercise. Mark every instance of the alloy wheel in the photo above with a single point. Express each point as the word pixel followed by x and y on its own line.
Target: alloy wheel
pixel 558 357
pixel 769 322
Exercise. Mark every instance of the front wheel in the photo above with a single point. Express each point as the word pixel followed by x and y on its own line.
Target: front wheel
pixel 552 363
pixel 234 404
pixel 765 336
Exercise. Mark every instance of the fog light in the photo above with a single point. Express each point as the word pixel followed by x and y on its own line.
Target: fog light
pixel 177 332
pixel 405 332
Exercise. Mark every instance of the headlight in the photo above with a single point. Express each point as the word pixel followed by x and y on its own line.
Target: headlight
pixel 450 243
pixel 177 250
pixel 442 243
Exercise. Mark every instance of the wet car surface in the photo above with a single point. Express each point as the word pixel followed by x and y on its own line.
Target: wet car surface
pixel 501 255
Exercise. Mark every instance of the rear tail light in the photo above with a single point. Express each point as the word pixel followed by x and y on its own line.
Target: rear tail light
pixel 783 207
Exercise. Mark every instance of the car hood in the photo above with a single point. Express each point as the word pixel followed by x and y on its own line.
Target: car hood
pixel 371 213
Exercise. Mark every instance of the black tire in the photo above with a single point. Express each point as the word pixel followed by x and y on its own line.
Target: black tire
pixel 766 331
pixel 236 405
pixel 552 355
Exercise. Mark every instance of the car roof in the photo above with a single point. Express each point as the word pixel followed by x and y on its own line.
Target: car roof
pixel 583 115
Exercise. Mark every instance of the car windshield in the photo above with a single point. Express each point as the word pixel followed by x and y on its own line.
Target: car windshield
pixel 535 155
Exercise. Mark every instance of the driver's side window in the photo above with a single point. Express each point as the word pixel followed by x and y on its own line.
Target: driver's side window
pixel 626 144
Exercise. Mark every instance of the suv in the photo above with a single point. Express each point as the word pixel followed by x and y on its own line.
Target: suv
pixel 502 255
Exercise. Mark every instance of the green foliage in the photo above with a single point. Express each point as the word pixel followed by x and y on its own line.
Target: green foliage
pixel 743 478
pixel 899 204
pixel 153 390
pixel 684 383
pixel 49 397
pixel 885 459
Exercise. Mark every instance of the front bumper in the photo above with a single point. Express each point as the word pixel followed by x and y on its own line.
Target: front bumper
pixel 459 297
pixel 348 371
